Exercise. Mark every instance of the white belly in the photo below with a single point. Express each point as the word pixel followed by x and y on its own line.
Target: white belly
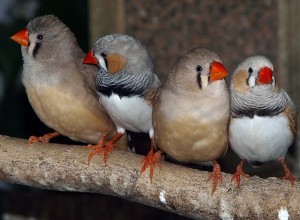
pixel 260 138
pixel 132 113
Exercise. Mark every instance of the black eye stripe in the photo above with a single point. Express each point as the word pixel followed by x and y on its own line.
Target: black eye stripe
pixel 199 81
pixel 199 70
pixel 250 71
pixel 36 49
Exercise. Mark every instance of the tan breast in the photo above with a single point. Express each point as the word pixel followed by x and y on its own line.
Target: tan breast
pixel 77 116
pixel 194 129
pixel 193 140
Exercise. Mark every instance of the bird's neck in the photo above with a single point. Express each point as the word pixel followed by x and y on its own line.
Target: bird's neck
pixel 260 101
pixel 122 84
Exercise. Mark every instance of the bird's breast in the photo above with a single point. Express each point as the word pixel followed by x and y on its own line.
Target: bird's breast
pixel 77 116
pixel 260 138
pixel 130 113
pixel 190 129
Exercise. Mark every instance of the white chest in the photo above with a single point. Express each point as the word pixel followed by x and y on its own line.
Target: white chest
pixel 260 138
pixel 128 113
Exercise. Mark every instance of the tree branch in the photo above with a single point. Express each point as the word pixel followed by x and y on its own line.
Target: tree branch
pixel 174 188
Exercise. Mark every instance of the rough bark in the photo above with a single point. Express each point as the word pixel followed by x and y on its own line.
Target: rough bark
pixel 174 188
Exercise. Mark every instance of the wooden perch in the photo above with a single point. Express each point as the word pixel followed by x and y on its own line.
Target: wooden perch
pixel 174 188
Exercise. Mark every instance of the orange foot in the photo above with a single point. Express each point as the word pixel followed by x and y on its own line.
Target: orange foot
pixel 98 148
pixel 237 175
pixel 288 175
pixel 216 175
pixel 151 159
pixel 101 146
pixel 44 139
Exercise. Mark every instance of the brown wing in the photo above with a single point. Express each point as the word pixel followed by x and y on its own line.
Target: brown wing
pixel 151 92
pixel 291 113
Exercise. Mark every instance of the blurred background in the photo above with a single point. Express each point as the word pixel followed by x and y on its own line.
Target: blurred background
pixel 168 28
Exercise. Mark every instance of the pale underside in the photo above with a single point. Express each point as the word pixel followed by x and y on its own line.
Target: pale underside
pixel 72 115
pixel 129 113
pixel 260 139
pixel 192 127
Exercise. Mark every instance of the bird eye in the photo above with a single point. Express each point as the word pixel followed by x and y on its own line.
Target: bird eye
pixel 250 70
pixel 39 37
pixel 103 54
pixel 199 69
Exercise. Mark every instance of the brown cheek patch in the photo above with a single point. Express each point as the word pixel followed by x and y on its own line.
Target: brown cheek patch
pixel 239 82
pixel 115 62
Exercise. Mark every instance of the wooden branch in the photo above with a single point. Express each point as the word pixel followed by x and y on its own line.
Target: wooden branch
pixel 106 17
pixel 174 188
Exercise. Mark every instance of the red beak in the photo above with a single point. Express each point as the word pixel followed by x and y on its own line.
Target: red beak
pixel 21 37
pixel 217 71
pixel 265 76
pixel 90 58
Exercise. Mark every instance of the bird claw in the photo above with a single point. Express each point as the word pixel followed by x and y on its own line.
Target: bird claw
pixel 108 149
pixel 238 173
pixel 96 149
pixel 99 147
pixel 291 178
pixel 288 175
pixel 151 160
pixel 216 175
pixel 35 139
pixel 43 139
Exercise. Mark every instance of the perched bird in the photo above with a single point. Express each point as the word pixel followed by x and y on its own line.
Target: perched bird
pixel 126 84
pixel 191 111
pixel 263 117
pixel 59 87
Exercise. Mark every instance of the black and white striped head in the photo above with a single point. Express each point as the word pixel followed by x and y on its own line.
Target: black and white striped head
pixel 46 39
pixel 252 72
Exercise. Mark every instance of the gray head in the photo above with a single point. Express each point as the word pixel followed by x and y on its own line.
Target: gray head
pixel 254 90
pixel 49 41
pixel 118 52
pixel 254 71
pixel 125 66
pixel 196 69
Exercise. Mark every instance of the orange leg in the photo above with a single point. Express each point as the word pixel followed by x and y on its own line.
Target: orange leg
pixel 288 175
pixel 101 146
pixel 237 175
pixel 216 175
pixel 151 159
pixel 97 149
pixel 44 139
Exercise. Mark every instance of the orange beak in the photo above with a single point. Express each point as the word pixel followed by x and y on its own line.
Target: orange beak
pixel 90 58
pixel 217 71
pixel 21 37
pixel 265 76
